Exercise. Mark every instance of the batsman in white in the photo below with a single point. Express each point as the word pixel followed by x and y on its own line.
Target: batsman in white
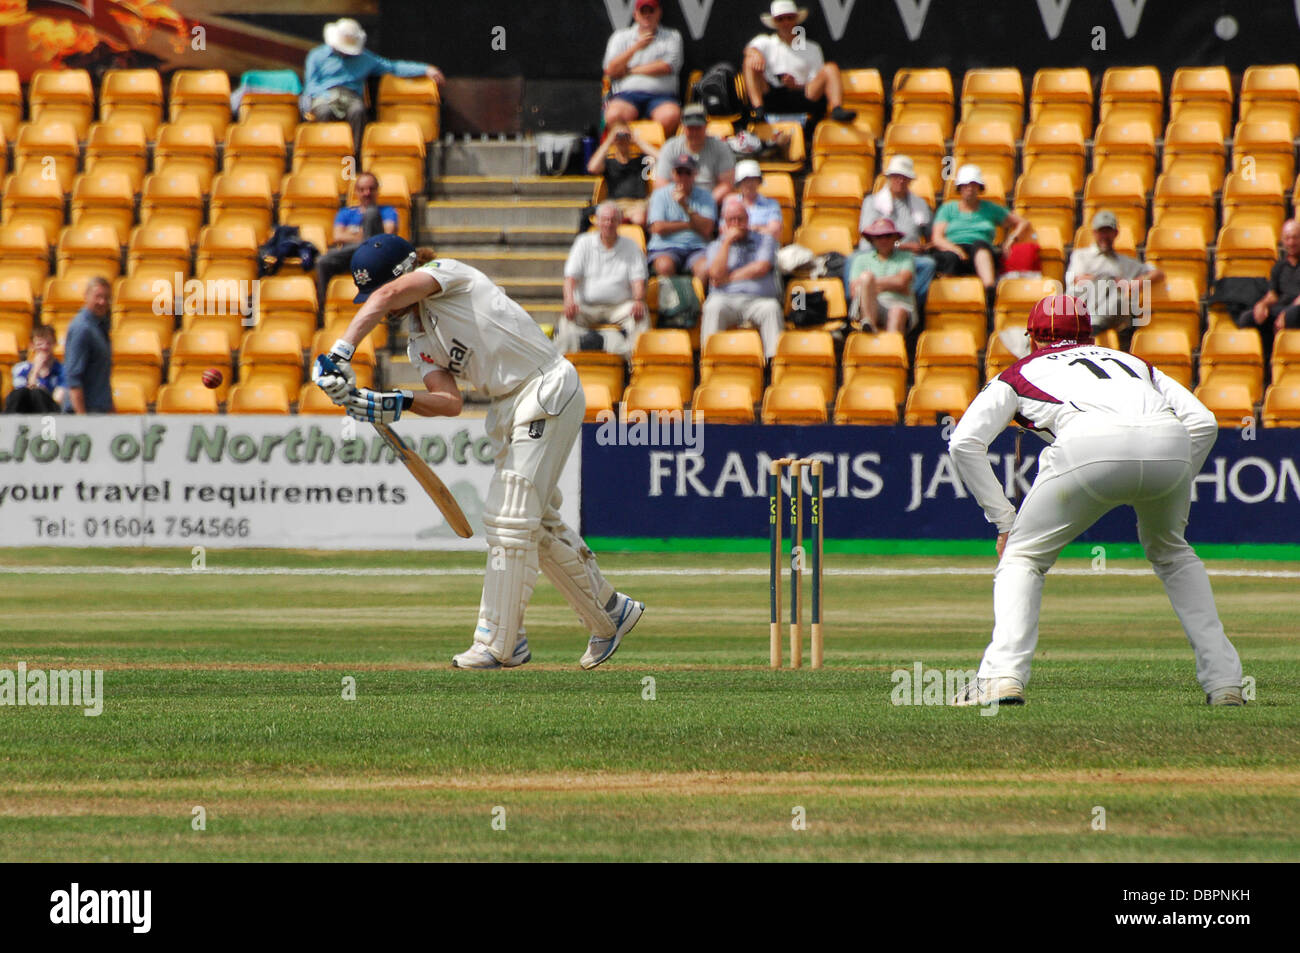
pixel 462 326
pixel 1121 432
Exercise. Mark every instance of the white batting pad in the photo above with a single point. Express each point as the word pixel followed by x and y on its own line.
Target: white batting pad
pixel 572 569
pixel 511 522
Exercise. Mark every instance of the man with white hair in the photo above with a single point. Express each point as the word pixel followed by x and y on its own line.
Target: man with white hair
pixel 336 72
pixel 604 284
pixel 742 274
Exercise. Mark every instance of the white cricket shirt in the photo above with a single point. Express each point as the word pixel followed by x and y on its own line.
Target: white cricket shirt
pixel 472 329
pixel 779 58
pixel 1066 389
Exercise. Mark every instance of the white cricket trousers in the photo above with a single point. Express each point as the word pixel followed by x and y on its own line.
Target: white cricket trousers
pixel 1089 471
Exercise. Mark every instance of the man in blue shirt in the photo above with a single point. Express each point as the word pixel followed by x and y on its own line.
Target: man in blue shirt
pixel 352 225
pixel 682 218
pixel 742 271
pixel 335 77
pixel 88 356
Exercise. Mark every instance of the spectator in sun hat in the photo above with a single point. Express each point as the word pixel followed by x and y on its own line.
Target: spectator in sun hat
pixel 643 63
pixel 965 230
pixel 787 73
pixel 683 218
pixel 335 74
pixel 910 214
pixel 764 213
pixel 880 280
pixel 716 165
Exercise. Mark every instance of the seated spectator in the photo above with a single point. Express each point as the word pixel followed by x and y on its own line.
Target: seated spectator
pixel 643 63
pixel 881 281
pixel 334 87
pixel 39 380
pixel 715 163
pixel 352 225
pixel 742 274
pixel 624 173
pixel 764 213
pixel 787 73
pixel 88 354
pixel 682 219
pixel 964 230
pixel 604 283
pixel 1280 307
pixel 909 213
pixel 1104 278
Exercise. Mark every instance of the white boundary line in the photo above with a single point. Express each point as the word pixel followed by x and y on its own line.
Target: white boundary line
pixel 702 571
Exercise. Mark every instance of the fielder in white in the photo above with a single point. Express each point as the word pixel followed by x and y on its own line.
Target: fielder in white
pixel 1121 432
pixel 462 326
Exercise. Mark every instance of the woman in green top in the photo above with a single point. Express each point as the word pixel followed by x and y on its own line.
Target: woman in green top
pixel 964 231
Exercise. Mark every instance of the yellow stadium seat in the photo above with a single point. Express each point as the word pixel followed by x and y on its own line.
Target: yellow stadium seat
pixel 833 189
pixel 1184 200
pixel 1285 355
pixel 806 357
pixel 17 307
pixel 173 197
pixel 997 95
pixel 1174 304
pixel 1245 251
pixel 825 238
pixel 1167 348
pixel 1204 91
pixel 201 97
pixel 837 308
pixel 933 402
pixel 11 104
pixel 667 355
pixel 1016 297
pixel 723 403
pixel 598 398
pixel 948 354
pixel 922 142
pixel 313 400
pixel 325 148
pixel 288 302
pixel 1261 194
pixel 411 99
pixel 1271 93
pixel 1230 403
pixel 1133 93
pixel 735 356
pixel 117 148
pixel 257 147
pixel 1062 96
pixel 194 351
pixel 1055 148
pixel 840 140
pixel 260 397
pixel 338 299
pixel 272 355
pixel 795 147
pixel 396 147
pixel 1179 252
pixel 158 250
pixel 1234 354
pixel 863 403
pixel 648 131
pixel 86 250
pixel 132 96
pixel 32 199
pixel 1196 146
pixel 187 147
pixel 48 148
pixel 140 302
pixel 309 198
pixel 929 89
pixel 1282 403
pixel 877 359
pixel 1126 147
pixel 1121 192
pixel 652 398
pixel 272 109
pixel 794 403
pixel 104 198
pixel 865 94
pixel 227 243
pixel 24 253
pixel 63 95
pixel 242 197
pixel 138 358
pixel 128 395
pixel 189 397
pixel 1047 199
pixel 61 299
pixel 601 367
pixel 1259 147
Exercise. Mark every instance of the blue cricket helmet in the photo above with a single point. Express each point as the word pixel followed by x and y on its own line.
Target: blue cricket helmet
pixel 378 261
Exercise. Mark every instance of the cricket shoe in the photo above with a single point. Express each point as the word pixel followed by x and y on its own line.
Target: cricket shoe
pixel 624 615
pixel 991 691
pixel 1230 697
pixel 479 656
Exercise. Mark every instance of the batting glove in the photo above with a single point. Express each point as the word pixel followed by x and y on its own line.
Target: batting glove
pixel 377 407
pixel 333 372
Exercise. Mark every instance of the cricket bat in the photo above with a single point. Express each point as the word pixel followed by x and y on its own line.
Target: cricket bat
pixel 433 486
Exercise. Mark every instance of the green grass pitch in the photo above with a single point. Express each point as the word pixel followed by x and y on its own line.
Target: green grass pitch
pixel 225 692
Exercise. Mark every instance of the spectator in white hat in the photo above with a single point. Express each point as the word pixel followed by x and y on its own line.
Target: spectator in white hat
pixel 764 213
pixel 965 232
pixel 787 73
pixel 336 72
pixel 909 213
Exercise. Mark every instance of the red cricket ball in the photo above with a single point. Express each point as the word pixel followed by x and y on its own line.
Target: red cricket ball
pixel 212 377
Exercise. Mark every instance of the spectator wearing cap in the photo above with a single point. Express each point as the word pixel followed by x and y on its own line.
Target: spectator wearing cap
pixel 881 281
pixel 604 283
pixel 1104 278
pixel 683 217
pixel 764 213
pixel 643 62
pixel 909 213
pixel 786 72
pixel 965 230
pixel 335 74
pixel 742 275
pixel 716 166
